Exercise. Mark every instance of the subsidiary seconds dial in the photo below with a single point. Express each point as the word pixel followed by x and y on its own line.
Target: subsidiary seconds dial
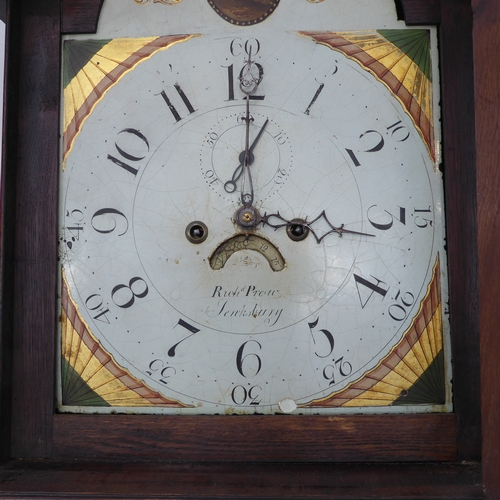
pixel 223 149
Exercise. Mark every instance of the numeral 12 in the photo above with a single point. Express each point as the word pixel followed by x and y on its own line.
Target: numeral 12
pixel 230 84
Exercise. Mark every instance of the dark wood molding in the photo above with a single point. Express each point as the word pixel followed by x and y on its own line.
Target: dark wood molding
pixel 78 479
pixel 8 223
pixel 420 11
pixel 36 170
pixel 80 16
pixel 367 438
pixel 458 150
pixel 486 39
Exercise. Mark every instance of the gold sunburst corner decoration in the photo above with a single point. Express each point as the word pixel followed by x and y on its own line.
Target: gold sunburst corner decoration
pixel 89 374
pixel 413 372
pixel 401 60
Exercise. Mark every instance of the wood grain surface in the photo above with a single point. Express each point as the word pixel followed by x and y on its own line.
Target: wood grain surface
pixel 362 438
pixel 487 100
pixel 232 481
pixel 459 150
pixel 80 16
pixel 470 78
pixel 421 11
pixel 36 168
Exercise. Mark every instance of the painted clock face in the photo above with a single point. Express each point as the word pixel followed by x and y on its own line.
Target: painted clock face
pixel 199 298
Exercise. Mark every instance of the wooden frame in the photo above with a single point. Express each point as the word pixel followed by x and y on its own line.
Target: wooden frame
pixel 446 447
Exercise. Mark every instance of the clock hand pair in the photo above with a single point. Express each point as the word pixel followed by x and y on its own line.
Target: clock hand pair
pixel 248 85
pixel 298 229
pixel 230 186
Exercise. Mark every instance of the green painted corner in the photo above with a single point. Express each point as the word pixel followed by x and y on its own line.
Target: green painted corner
pixel 76 54
pixel 415 44
pixel 75 391
pixel 429 388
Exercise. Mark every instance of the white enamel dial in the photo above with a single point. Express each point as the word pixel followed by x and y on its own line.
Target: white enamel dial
pixel 247 319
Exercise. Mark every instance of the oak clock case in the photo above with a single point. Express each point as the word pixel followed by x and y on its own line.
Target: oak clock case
pixel 251 222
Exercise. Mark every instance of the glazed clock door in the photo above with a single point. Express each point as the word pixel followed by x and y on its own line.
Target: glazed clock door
pixel 251 213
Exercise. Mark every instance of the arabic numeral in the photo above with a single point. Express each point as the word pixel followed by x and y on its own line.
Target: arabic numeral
pixel 212 138
pixel 240 395
pixel 239 48
pixel 135 141
pixel 315 97
pixel 165 372
pixel 249 364
pixel 384 220
pixel 104 221
pixel 124 295
pixel 367 288
pixel 230 82
pixel 95 303
pixel 280 176
pixel 190 328
pixel 154 366
pixel 77 219
pixel 373 141
pixel 76 226
pixel 398 132
pixel 399 310
pixel 328 341
pixel 344 368
pixel 211 177
pixel 339 365
pixel 187 103
pixel 280 138
pixel 321 86
pixel 381 224
pixel 422 221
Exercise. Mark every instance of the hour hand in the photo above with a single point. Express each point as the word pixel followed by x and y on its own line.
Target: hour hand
pixel 298 229
pixel 230 186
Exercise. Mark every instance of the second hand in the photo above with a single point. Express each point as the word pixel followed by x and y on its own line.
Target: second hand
pixel 230 186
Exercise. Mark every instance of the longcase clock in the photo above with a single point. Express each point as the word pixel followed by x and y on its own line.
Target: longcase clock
pixel 246 237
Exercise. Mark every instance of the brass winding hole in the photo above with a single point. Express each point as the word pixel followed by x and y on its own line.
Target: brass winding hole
pixel 196 232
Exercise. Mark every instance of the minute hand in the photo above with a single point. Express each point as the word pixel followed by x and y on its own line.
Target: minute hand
pixel 298 229
pixel 230 186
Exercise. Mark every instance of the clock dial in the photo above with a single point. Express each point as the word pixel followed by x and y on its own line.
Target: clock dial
pixel 211 303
